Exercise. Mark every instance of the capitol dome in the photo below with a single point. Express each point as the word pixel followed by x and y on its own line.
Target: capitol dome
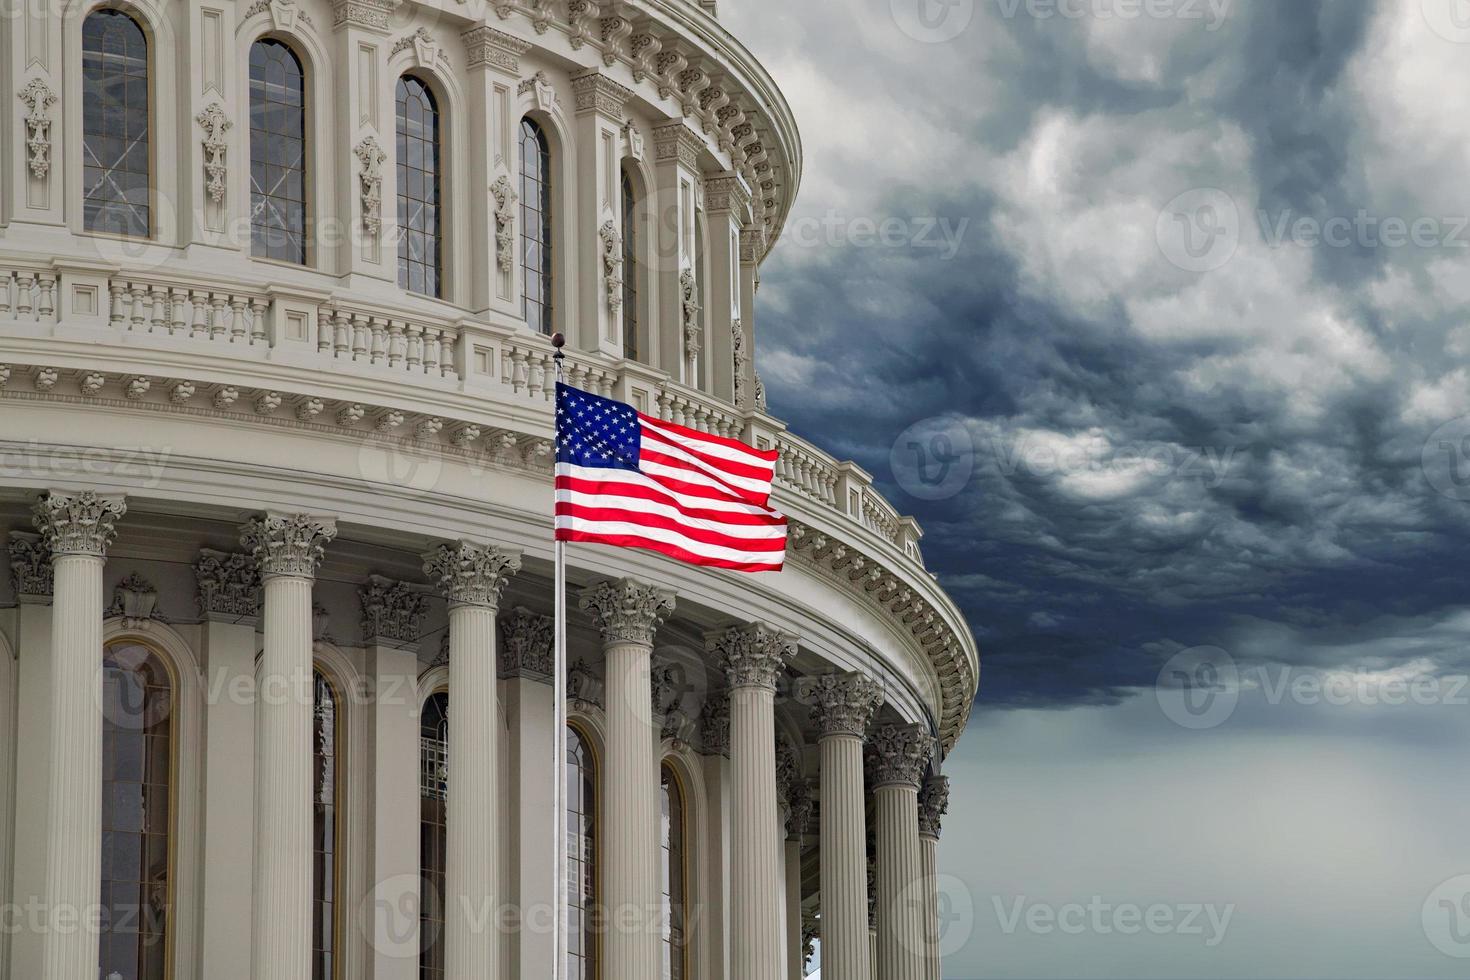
pixel 278 281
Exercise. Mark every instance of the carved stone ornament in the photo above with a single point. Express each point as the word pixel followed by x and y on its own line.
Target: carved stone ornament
pixel 760 393
pixel 754 655
pixel 843 704
pixel 799 807
pixel 215 126
pixel 632 141
pixel 30 566
pixel 472 575
pixel 370 157
pixel 78 524
pixel 525 645
pixel 505 222
pixel 392 611
pixel 584 688
pixel 612 263
pixel 229 584
pixel 426 50
pixel 738 358
pixel 39 99
pixel 714 728
pixel 627 611
pixel 135 599
pixel 288 544
pixel 540 86
pixel 933 805
pixel 689 304
pixel 898 755
pixel 487 46
pixel 582 15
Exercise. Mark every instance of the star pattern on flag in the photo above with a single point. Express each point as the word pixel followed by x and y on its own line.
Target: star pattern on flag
pixel 595 431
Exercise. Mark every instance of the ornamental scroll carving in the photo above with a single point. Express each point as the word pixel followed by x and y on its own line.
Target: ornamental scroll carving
pixel 612 263
pixel 689 306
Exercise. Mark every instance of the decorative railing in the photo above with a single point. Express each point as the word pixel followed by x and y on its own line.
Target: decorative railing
pixel 264 321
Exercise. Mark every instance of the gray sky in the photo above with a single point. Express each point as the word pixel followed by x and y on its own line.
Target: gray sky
pixel 1156 313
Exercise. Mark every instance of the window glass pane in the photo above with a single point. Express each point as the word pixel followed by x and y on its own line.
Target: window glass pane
pixel 582 963
pixel 137 769
pixel 277 153
pixel 326 737
pixel 672 877
pixel 419 242
pixel 115 147
pixel 433 846
pixel 535 227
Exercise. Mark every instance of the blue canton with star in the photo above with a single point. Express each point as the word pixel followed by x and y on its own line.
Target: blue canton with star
pixel 595 431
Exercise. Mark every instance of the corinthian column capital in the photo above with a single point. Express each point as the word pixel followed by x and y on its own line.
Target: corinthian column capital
pixel 933 805
pixel 30 567
pixel 525 645
pixel 627 611
pixel 899 754
pixel 288 544
pixel 754 655
pixel 470 574
pixel 843 704
pixel 78 524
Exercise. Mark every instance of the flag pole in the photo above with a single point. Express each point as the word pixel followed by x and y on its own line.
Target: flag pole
pixel 559 739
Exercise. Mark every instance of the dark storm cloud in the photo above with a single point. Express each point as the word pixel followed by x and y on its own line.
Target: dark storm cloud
pixel 1162 458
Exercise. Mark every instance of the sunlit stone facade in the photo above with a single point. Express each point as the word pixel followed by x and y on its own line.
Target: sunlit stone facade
pixel 277 281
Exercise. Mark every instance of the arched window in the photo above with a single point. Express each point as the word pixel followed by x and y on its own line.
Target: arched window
pixel 137 765
pixel 420 240
pixel 674 878
pixel 535 226
pixel 277 153
pixel 433 845
pixel 582 963
pixel 326 787
pixel 630 269
pixel 116 157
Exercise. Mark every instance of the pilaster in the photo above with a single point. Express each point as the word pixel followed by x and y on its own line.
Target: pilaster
pixel 727 200
pixel 365 133
pixel 229 603
pixel 933 804
pixel 599 107
pixel 677 174
pixel 493 68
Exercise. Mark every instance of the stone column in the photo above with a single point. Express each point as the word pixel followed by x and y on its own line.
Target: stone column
pixel 229 603
pixel 933 804
pixel 472 577
pixel 392 621
pixel 798 816
pixel 77 529
pixel 627 613
pixel 844 704
pixel 899 759
pixel 287 548
pixel 712 938
pixel 753 657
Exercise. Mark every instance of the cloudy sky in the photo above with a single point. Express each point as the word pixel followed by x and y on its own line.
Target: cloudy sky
pixel 1156 313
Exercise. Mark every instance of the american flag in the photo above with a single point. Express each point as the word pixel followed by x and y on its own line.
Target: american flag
pixel 625 479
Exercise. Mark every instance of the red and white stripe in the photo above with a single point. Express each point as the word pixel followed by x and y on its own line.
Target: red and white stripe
pixel 697 498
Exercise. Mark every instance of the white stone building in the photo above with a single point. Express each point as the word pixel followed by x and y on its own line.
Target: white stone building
pixel 276 284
